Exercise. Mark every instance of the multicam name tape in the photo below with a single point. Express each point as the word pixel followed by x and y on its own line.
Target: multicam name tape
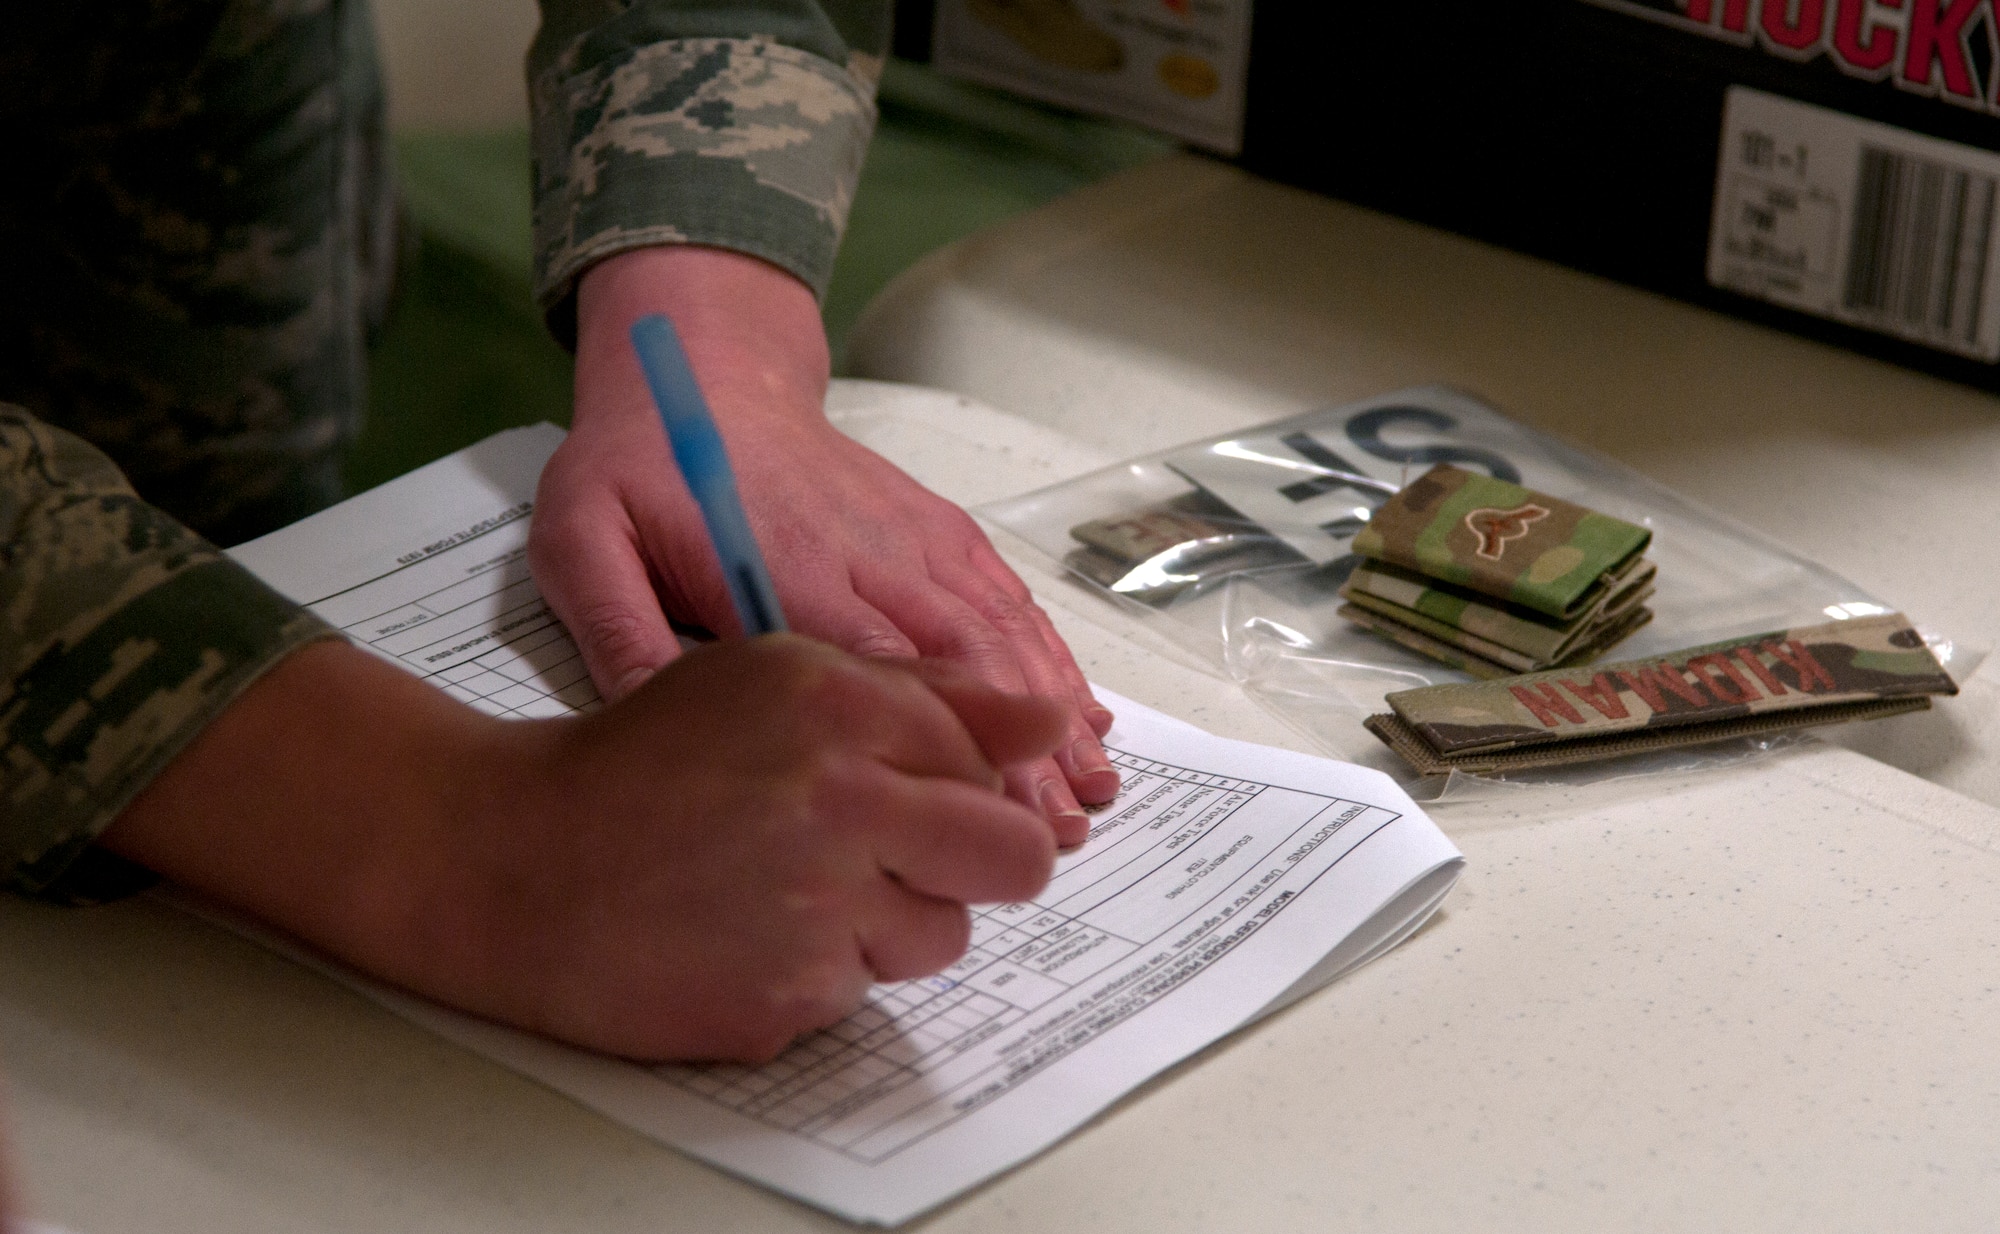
pixel 1825 674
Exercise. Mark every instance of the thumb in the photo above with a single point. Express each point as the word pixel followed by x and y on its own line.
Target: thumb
pixel 595 581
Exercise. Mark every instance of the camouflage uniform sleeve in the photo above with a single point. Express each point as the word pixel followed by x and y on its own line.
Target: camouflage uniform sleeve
pixel 734 123
pixel 122 633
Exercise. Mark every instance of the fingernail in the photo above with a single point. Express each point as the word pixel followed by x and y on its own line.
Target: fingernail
pixel 632 680
pixel 1066 818
pixel 1088 757
pixel 1099 718
pixel 1091 775
pixel 1057 802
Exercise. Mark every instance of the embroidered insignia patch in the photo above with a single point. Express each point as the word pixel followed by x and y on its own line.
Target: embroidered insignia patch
pixel 1495 527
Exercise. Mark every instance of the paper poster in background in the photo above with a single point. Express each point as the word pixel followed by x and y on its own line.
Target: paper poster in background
pixel 1174 65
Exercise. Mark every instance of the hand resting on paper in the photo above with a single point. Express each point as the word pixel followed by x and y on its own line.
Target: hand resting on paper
pixel 862 555
pixel 720 861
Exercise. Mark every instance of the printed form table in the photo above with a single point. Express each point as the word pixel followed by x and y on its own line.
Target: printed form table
pixel 1157 879
pixel 481 632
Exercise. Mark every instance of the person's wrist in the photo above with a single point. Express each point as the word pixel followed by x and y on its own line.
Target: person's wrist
pixel 327 800
pixel 450 915
pixel 751 330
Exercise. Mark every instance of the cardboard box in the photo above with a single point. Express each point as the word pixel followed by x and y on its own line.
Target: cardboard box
pixel 1826 166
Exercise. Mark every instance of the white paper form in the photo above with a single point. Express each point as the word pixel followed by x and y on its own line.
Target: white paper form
pixel 1223 881
pixel 430 571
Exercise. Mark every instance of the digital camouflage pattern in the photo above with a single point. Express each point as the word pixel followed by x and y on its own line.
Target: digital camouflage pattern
pixel 1780 678
pixel 196 229
pixel 1522 639
pixel 122 634
pixel 740 125
pixel 1501 540
pixel 197 225
pixel 196 232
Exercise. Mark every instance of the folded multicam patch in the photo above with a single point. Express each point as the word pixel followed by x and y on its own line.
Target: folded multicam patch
pixel 1471 655
pixel 1501 540
pixel 1844 670
pixel 1513 639
pixel 1157 553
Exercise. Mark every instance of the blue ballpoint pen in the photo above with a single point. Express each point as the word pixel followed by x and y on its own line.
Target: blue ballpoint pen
pixel 698 451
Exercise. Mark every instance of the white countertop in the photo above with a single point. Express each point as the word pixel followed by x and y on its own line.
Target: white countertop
pixel 1754 999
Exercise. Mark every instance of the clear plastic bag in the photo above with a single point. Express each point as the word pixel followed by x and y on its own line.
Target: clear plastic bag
pixel 1237 545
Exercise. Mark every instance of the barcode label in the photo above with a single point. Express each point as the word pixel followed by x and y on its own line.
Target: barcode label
pixel 1874 226
pixel 1916 260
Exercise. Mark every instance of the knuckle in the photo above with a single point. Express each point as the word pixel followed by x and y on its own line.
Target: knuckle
pixel 944 934
pixel 972 640
pixel 616 631
pixel 834 1004
pixel 838 690
pixel 1011 583
pixel 955 524
pixel 796 661
pixel 1001 610
pixel 879 642
pixel 811 899
pixel 852 701
pixel 561 522
pixel 791 668
pixel 954 934
pixel 992 568
pixel 817 989
pixel 820 995
pixel 947 938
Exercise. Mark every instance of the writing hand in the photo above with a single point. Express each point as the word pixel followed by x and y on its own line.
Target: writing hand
pixel 721 861
pixel 862 556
